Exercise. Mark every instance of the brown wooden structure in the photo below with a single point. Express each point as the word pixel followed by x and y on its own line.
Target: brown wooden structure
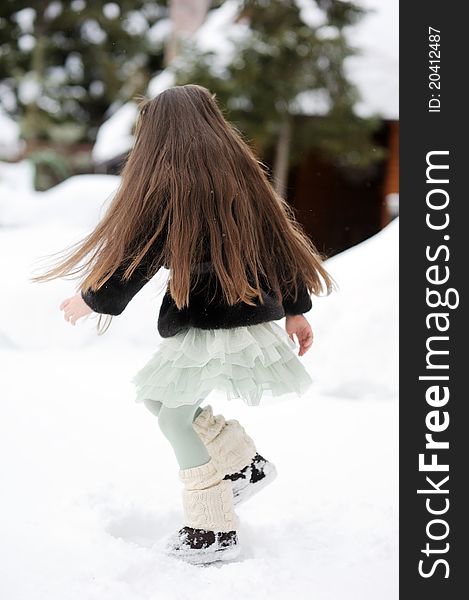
pixel 338 208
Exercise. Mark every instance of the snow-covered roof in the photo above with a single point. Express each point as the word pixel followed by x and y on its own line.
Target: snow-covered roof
pixel 115 135
pixel 374 69
pixel 161 82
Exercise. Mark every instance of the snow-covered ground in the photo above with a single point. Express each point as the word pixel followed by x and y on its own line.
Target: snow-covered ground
pixel 89 485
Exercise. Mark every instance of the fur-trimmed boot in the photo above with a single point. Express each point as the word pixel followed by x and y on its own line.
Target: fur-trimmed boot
pixel 234 454
pixel 210 526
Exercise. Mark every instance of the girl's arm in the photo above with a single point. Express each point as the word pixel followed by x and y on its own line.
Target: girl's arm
pixel 74 308
pixel 299 306
pixel 116 293
pixel 298 325
pixel 110 299
pixel 295 322
pixel 113 297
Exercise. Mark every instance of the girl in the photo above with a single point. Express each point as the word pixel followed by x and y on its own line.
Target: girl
pixel 195 200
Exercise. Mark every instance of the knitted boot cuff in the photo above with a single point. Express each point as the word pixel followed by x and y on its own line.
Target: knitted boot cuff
pixel 198 478
pixel 210 509
pixel 232 449
pixel 207 426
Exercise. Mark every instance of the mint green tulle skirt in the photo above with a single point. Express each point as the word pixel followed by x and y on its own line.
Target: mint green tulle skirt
pixel 242 362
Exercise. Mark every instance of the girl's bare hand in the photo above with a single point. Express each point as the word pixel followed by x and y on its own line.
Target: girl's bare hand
pixel 299 326
pixel 75 308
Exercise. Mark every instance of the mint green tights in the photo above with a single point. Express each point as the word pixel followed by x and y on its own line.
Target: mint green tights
pixel 176 425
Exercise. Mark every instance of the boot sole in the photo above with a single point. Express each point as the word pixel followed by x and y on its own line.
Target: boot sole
pixel 251 489
pixel 205 556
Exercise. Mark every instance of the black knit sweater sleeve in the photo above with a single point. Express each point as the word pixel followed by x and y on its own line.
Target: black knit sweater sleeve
pixel 299 306
pixel 291 305
pixel 114 295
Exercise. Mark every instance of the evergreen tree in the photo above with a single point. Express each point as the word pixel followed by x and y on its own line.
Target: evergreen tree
pixel 64 63
pixel 285 59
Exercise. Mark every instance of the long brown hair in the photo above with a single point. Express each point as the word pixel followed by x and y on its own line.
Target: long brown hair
pixel 191 174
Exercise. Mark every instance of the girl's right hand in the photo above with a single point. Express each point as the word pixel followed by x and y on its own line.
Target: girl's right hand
pixel 298 325
pixel 75 308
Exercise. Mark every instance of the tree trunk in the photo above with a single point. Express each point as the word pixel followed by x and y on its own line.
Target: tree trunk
pixel 282 156
pixel 186 17
pixel 38 67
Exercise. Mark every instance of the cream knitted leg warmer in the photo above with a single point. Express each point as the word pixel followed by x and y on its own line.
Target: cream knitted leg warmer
pixel 227 443
pixel 207 499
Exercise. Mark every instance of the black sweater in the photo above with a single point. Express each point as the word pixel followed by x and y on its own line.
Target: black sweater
pixel 115 294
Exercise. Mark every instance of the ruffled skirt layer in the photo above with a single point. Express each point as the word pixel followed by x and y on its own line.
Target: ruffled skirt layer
pixel 243 362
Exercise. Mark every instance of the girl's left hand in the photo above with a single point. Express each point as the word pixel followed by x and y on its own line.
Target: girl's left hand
pixel 298 325
pixel 75 308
